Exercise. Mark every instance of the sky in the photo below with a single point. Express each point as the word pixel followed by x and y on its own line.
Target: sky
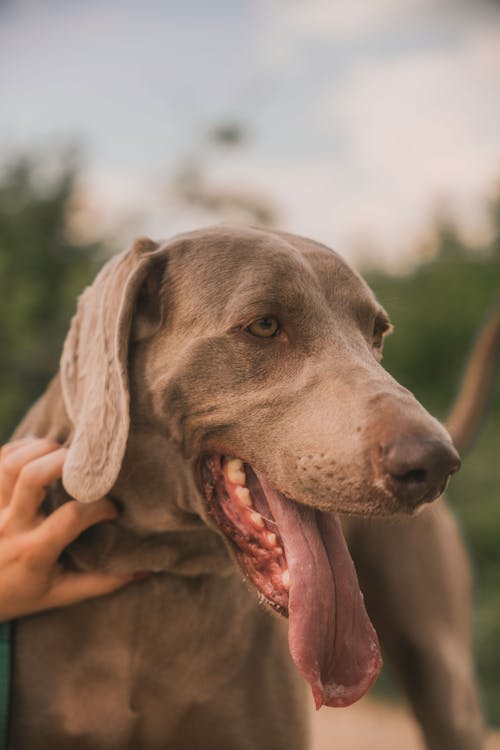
pixel 363 118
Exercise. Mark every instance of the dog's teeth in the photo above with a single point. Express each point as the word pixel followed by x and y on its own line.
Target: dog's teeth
pixel 278 551
pixel 285 579
pixel 272 539
pixel 235 471
pixel 243 495
pixel 257 520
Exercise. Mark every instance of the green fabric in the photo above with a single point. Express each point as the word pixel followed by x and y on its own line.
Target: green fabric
pixel 5 634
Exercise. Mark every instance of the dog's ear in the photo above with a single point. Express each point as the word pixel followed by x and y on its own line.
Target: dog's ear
pixel 94 374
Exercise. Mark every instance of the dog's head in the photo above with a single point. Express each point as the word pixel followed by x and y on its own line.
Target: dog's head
pixel 255 356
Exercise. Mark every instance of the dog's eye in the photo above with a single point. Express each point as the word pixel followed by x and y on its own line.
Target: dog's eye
pixel 264 328
pixel 380 329
pixel 378 339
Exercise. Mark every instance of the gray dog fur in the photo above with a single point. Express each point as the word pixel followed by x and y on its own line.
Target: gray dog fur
pixel 155 371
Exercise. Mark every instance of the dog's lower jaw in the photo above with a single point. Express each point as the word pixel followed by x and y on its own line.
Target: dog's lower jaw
pixel 249 529
pixel 297 559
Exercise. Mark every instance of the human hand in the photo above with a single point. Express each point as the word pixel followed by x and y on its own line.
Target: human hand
pixel 31 579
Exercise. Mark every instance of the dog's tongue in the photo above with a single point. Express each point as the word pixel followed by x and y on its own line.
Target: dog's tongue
pixel 331 638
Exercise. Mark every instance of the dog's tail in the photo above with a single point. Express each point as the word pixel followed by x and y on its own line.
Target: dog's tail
pixel 470 404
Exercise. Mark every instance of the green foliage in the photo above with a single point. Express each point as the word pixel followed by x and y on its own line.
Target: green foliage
pixel 41 272
pixel 437 310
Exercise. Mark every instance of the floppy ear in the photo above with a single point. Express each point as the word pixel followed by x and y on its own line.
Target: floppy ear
pixel 94 376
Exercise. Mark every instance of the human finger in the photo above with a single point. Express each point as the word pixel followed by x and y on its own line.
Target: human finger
pixel 66 523
pixel 14 458
pixel 70 588
pixel 13 445
pixel 29 490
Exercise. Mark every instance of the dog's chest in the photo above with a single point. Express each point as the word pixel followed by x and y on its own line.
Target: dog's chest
pixel 129 671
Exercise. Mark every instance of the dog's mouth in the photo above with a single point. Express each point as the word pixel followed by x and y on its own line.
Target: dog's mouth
pixel 297 559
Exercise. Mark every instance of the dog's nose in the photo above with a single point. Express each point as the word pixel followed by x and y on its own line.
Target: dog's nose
pixel 418 469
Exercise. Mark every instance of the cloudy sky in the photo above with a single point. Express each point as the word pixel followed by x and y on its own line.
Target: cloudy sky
pixel 362 117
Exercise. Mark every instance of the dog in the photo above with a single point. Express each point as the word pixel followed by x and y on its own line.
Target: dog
pixel 225 390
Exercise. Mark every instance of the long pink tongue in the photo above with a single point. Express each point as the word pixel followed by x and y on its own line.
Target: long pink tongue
pixel 330 636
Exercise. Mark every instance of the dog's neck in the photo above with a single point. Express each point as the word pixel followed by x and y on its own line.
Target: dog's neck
pixel 158 529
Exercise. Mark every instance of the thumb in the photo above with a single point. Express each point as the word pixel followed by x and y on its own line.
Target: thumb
pixel 69 588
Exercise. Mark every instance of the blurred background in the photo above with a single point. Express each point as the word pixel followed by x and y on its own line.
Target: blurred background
pixel 372 126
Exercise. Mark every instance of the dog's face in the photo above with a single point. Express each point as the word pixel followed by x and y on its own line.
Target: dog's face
pixel 258 355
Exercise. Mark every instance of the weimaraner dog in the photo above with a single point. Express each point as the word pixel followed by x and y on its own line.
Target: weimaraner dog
pixel 225 390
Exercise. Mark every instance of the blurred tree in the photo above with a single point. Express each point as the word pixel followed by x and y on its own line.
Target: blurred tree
pixel 437 310
pixel 227 134
pixel 233 203
pixel 41 272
